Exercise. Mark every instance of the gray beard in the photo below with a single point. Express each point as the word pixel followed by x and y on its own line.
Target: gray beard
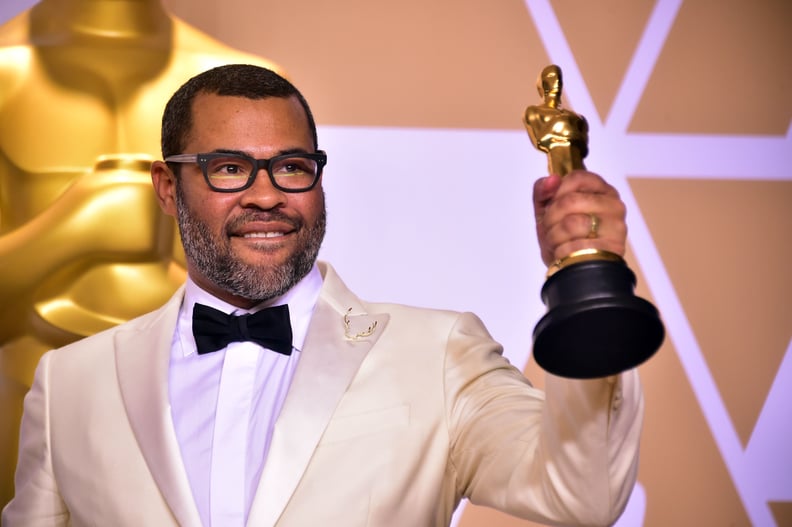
pixel 213 258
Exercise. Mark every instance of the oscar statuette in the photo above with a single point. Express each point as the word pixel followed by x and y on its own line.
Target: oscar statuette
pixel 595 326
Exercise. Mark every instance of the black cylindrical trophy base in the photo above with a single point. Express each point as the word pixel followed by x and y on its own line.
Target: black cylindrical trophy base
pixel 595 325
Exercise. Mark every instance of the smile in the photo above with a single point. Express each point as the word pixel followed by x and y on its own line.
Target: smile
pixel 263 235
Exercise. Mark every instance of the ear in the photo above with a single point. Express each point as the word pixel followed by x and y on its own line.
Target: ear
pixel 164 181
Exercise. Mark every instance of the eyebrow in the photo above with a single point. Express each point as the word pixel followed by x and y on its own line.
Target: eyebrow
pixel 285 152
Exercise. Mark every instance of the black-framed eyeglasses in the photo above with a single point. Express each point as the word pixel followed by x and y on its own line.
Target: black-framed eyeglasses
pixel 233 172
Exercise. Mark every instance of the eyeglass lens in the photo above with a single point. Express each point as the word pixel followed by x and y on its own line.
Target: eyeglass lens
pixel 233 171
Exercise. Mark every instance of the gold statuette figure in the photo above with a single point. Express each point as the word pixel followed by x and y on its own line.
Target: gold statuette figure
pixel 562 134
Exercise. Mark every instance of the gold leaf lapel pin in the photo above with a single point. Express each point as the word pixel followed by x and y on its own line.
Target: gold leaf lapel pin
pixel 360 334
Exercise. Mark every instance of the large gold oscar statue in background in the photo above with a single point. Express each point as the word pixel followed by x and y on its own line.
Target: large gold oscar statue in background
pixel 595 326
pixel 83 244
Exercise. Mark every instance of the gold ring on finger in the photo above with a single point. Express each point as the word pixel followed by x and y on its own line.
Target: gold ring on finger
pixel 593 226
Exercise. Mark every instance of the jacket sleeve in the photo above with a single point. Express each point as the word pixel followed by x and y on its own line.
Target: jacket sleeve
pixel 37 502
pixel 568 455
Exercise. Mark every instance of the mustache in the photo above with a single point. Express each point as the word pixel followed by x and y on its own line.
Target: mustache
pixel 262 216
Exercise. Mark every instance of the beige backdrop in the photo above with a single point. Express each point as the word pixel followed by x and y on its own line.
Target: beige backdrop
pixel 708 102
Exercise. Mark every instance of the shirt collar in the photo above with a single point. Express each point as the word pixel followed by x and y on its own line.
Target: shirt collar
pixel 301 299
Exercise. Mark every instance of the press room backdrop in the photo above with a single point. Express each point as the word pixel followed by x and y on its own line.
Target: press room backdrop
pixel 419 104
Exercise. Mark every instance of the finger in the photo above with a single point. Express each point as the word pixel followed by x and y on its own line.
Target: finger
pixel 588 226
pixel 571 227
pixel 571 203
pixel 585 231
pixel 584 181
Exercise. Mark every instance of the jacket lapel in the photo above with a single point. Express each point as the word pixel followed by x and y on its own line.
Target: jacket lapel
pixel 337 342
pixel 142 358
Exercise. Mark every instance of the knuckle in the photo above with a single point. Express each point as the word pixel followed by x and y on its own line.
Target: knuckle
pixel 571 223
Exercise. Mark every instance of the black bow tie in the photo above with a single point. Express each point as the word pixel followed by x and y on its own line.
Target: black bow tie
pixel 214 330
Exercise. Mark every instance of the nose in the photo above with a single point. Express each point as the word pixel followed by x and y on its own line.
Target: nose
pixel 262 193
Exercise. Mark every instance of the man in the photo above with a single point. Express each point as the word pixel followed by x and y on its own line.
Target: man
pixel 367 414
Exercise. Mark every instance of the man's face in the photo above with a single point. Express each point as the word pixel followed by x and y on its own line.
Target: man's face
pixel 255 244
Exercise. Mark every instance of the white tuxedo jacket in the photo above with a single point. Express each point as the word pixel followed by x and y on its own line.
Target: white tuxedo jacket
pixel 390 429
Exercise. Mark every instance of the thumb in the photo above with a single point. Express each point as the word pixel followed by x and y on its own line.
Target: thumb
pixel 543 192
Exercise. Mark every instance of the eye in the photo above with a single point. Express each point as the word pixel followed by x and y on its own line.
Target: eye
pixel 294 166
pixel 229 167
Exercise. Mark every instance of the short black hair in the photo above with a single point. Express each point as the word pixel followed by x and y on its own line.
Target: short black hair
pixel 233 80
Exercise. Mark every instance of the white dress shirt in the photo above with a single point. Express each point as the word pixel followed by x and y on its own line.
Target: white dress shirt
pixel 224 404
